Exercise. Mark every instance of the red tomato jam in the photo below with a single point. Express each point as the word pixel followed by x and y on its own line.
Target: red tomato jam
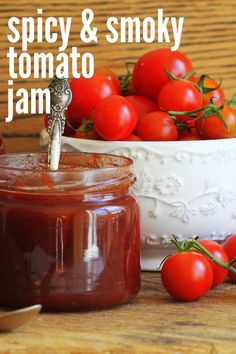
pixel 2 146
pixel 69 240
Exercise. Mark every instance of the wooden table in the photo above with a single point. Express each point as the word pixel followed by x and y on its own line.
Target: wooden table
pixel 152 323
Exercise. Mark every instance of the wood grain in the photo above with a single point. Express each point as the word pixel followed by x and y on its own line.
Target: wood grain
pixel 153 323
pixel 208 38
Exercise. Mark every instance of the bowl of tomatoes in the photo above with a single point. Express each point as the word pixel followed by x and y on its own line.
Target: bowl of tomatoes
pixel 180 131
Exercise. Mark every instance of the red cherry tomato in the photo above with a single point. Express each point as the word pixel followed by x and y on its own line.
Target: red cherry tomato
pixel 217 95
pixel 90 134
pixel 189 135
pixel 181 96
pixel 2 146
pixel 219 273
pixel 132 137
pixel 142 105
pixel 213 128
pixel 157 126
pixel 86 94
pixel 114 118
pixel 111 76
pixel 187 276
pixel 230 248
pixel 149 74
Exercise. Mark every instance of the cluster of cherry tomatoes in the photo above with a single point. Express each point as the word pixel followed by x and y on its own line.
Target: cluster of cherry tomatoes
pixel 162 99
pixel 190 273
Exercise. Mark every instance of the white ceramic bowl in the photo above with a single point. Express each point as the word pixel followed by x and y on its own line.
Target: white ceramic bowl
pixel 184 188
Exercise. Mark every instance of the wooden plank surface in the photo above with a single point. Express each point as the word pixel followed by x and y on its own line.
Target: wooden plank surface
pixel 208 38
pixel 152 323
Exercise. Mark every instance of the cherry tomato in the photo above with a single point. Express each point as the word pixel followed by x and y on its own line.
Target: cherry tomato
pixel 181 96
pixel 86 94
pixel 90 134
pixel 219 273
pixel 149 74
pixel 230 248
pixel 157 126
pixel 114 118
pixel 142 105
pixel 187 276
pixel 132 137
pixel 217 95
pixel 213 128
pixel 111 76
pixel 189 135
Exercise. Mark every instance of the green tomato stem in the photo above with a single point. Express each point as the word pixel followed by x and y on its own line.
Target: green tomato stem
pixel 186 113
pixel 233 261
pixel 197 246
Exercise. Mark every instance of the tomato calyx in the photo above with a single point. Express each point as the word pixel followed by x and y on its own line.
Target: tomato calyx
pixel 184 78
pixel 87 125
pixel 183 125
pixel 194 245
pixel 212 109
pixel 204 90
pixel 189 74
pixel 207 111
pixel 125 79
pixel 182 246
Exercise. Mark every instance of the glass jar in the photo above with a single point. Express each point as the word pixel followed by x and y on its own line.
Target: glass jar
pixel 2 146
pixel 68 239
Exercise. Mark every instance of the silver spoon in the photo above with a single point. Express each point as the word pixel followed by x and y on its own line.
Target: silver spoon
pixel 14 319
pixel 61 96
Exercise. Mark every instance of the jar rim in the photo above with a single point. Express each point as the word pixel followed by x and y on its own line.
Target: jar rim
pixel 27 172
pixel 126 161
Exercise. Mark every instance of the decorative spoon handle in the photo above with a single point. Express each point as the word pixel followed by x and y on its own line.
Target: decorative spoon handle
pixel 61 96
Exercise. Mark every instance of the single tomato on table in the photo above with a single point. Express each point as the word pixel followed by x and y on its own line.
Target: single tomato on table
pixel 149 74
pixel 187 276
pixel 114 118
pixel 86 94
pixel 157 126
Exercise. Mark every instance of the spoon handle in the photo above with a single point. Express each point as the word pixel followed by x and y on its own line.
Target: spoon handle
pixel 61 96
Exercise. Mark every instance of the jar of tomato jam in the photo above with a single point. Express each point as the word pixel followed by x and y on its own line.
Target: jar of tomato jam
pixel 69 239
